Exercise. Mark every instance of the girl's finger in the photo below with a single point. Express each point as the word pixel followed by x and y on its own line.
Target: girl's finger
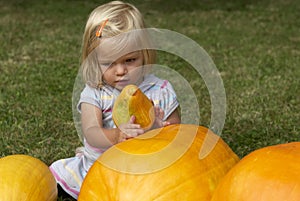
pixel 166 123
pixel 132 119
pixel 131 130
pixel 161 113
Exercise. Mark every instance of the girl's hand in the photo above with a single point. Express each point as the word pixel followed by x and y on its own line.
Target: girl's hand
pixel 159 115
pixel 129 130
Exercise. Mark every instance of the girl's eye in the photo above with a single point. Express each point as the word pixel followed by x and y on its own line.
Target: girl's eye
pixel 130 60
pixel 105 65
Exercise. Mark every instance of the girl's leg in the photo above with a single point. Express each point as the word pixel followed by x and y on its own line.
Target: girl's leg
pixel 63 195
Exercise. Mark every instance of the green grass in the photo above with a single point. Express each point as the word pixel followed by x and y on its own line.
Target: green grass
pixel 254 44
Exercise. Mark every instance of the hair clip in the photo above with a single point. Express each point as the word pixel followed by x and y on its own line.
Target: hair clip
pixel 100 29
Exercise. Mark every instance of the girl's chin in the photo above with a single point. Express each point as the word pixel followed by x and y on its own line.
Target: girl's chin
pixel 120 87
pixel 121 84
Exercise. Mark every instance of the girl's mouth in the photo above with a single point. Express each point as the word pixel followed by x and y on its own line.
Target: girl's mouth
pixel 122 82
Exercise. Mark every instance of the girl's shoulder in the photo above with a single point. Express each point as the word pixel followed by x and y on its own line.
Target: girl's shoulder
pixel 98 92
pixel 100 97
pixel 153 82
pixel 151 78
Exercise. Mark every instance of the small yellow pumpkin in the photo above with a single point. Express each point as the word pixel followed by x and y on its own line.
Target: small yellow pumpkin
pixel 162 164
pixel 270 173
pixel 25 178
pixel 132 101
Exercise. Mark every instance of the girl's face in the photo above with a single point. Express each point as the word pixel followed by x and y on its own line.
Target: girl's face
pixel 126 70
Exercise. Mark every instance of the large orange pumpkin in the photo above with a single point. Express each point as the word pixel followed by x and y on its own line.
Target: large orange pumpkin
pixel 25 178
pixel 162 164
pixel 132 101
pixel 267 174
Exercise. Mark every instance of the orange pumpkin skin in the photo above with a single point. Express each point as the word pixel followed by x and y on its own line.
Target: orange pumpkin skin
pixel 267 174
pixel 132 101
pixel 25 178
pixel 161 165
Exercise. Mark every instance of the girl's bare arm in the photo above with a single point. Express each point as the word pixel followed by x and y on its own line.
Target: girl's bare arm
pixel 99 137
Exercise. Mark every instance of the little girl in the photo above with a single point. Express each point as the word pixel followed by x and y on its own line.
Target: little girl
pixel 112 59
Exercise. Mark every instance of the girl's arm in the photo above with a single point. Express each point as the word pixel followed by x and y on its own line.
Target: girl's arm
pixel 99 137
pixel 174 118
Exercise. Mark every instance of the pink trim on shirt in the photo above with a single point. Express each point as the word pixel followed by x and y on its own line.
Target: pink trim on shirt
pixel 93 148
pixel 164 84
pixel 62 182
pixel 107 110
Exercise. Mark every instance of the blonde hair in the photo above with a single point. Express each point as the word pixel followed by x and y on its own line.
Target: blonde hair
pixel 122 17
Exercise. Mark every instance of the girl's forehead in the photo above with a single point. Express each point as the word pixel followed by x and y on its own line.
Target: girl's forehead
pixel 131 55
pixel 111 49
pixel 113 52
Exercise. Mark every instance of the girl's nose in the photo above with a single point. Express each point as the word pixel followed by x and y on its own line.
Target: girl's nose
pixel 121 69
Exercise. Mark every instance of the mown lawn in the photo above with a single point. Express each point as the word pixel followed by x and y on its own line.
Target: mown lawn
pixel 254 44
